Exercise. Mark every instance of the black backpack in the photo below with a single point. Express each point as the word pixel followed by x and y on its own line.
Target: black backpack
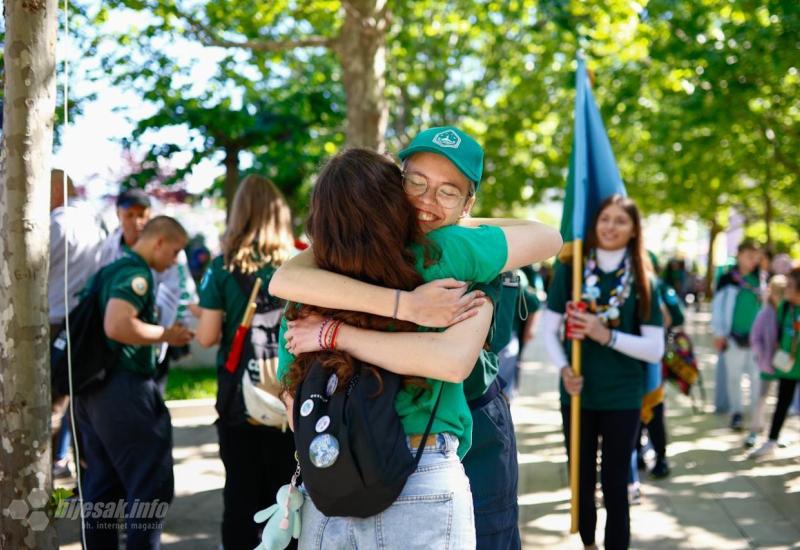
pixel 261 343
pixel 92 357
pixel 350 442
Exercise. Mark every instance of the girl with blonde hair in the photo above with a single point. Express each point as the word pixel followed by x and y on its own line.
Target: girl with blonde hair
pixel 258 458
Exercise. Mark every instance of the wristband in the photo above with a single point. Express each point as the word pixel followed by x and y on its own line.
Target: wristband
pixel 319 335
pixel 335 334
pixel 612 339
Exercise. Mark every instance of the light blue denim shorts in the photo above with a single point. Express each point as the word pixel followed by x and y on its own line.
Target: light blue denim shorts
pixel 434 510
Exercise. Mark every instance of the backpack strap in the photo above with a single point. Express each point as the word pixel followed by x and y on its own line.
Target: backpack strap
pixel 264 300
pixel 422 443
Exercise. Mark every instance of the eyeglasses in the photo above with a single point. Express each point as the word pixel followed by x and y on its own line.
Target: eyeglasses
pixel 447 195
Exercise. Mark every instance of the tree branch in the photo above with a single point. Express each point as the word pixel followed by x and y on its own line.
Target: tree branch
pixel 209 38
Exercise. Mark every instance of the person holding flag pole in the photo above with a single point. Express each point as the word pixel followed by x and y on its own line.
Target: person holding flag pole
pixel 602 287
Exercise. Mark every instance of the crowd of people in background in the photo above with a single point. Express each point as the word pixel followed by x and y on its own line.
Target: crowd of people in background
pixel 399 280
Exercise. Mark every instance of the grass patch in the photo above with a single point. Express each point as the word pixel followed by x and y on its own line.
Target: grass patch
pixel 194 383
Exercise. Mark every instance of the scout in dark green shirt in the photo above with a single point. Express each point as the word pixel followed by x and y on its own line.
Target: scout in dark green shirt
pixel 126 429
pixel 128 297
pixel 220 291
pixel 129 279
pixel 612 380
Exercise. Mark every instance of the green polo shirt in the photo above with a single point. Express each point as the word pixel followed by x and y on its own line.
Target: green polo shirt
pixel 467 254
pixel 611 380
pixel 219 290
pixel 787 334
pixel 130 279
pixel 747 306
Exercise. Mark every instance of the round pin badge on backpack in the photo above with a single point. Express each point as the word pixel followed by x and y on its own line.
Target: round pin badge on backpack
pixel 322 424
pixel 323 451
pixel 306 407
pixel 333 383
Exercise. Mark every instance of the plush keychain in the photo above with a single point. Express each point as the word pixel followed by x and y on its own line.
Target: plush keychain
pixel 283 516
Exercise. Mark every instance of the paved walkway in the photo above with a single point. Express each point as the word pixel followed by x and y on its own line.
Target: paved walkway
pixel 715 498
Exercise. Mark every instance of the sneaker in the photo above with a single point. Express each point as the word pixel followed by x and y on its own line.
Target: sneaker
pixel 765 451
pixel 737 422
pixel 750 440
pixel 62 469
pixel 661 469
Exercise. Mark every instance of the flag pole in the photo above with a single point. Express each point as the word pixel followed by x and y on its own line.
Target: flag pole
pixel 575 400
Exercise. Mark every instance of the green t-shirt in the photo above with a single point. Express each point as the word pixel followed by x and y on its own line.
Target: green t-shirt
pixel 219 290
pixel 611 380
pixel 475 255
pixel 747 306
pixel 130 279
pixel 791 318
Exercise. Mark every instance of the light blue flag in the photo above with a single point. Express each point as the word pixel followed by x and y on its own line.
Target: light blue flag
pixel 593 174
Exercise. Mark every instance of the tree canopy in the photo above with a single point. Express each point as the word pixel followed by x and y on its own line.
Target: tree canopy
pixel 699 97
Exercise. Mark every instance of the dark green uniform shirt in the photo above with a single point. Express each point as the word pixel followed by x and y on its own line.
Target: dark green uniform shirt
pixel 787 332
pixel 219 290
pixel 517 296
pixel 611 380
pixel 130 279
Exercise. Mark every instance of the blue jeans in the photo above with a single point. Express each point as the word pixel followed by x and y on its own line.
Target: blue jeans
pixel 434 510
pixel 64 437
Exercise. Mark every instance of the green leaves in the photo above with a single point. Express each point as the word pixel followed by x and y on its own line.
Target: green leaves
pixel 699 98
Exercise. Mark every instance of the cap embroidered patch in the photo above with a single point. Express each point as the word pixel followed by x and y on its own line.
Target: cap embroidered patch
pixel 448 138
pixel 139 286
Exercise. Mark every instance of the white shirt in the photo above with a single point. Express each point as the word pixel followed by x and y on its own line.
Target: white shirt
pixel 76 228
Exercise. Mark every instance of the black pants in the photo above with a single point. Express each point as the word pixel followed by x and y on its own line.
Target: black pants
pixel 491 465
pixel 616 432
pixel 785 396
pixel 656 431
pixel 258 461
pixel 127 443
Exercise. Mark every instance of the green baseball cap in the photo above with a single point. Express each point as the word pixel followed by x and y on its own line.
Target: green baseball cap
pixel 453 144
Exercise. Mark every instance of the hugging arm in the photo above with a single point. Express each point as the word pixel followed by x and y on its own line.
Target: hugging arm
pixel 528 241
pixel 448 356
pixel 439 303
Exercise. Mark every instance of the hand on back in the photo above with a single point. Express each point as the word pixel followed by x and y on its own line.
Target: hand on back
pixel 440 303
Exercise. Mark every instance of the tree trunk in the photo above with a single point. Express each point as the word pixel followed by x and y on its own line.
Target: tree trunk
pixel 361 48
pixel 768 215
pixel 231 176
pixel 713 231
pixel 29 110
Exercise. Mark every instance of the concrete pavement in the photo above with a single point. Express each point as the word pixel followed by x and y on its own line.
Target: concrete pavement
pixel 714 499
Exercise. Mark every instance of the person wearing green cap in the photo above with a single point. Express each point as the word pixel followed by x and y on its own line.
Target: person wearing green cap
pixel 443 167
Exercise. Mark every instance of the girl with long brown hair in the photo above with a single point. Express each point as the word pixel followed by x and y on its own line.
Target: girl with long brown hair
pixel 362 225
pixel 622 329
pixel 257 458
